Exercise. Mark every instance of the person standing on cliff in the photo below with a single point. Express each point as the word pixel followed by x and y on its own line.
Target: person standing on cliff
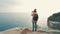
pixel 34 19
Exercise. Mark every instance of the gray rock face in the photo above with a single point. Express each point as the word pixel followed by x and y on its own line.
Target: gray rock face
pixel 54 21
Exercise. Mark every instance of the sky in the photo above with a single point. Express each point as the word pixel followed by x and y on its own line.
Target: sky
pixel 42 6
pixel 45 8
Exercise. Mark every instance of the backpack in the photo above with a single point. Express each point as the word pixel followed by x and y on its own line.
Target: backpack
pixel 35 17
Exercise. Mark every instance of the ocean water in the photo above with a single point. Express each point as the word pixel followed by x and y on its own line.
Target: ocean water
pixel 11 20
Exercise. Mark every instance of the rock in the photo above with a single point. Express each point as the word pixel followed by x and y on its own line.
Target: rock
pixel 53 21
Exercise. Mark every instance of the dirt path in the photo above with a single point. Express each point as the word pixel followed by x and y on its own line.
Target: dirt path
pixel 19 32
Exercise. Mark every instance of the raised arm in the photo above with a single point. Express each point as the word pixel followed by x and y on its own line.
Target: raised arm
pixel 32 14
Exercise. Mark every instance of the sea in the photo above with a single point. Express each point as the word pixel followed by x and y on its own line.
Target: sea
pixel 11 20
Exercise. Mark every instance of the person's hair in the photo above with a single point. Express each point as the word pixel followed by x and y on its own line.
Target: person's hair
pixel 35 10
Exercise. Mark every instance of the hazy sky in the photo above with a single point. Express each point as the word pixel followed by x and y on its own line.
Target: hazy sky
pixel 44 7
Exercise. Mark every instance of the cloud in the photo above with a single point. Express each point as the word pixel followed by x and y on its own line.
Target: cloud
pixel 43 6
pixel 8 4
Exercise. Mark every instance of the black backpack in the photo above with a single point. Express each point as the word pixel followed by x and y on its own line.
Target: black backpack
pixel 35 17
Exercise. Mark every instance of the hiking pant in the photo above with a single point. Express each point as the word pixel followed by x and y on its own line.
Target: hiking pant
pixel 34 26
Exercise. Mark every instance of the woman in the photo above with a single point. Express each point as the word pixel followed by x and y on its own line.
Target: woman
pixel 34 20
